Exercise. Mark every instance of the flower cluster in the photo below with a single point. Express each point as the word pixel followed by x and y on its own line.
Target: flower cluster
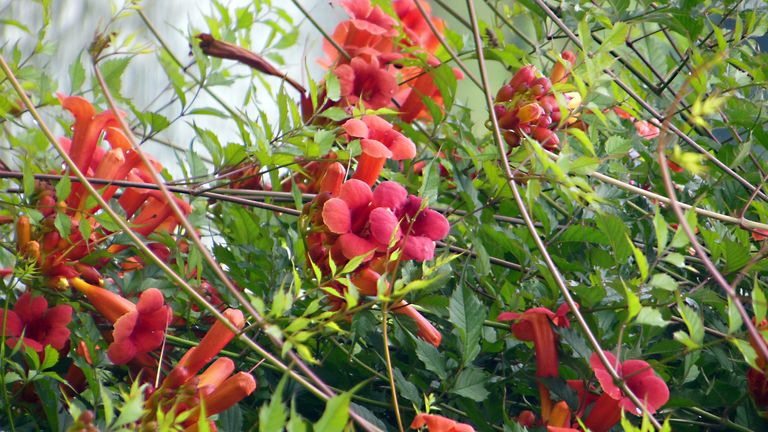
pixel 598 412
pixel 356 221
pixel 387 62
pixel 183 391
pixel 58 251
pixel 528 106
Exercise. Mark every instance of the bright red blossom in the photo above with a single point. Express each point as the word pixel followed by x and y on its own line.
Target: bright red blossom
pixel 646 130
pixel 366 82
pixel 35 324
pixel 437 423
pixel 639 377
pixel 141 330
pixel 368 221
pixel 379 142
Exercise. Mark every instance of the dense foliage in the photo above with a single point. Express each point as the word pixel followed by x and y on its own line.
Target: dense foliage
pixel 478 216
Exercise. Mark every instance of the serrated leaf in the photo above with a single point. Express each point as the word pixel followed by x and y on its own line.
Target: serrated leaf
pixel 759 305
pixel 640 259
pixel 332 87
pixel 736 255
pixel 433 359
pixel 471 384
pixel 693 322
pixel 633 302
pixel 51 358
pixel 406 388
pixel 750 356
pixel 661 228
pixel 63 224
pixel 734 318
pixel 336 414
pixel 675 259
pixel 616 231
pixel 616 37
pixel 651 316
pixel 467 315
pixel 272 416
pixel 663 281
pixel 63 187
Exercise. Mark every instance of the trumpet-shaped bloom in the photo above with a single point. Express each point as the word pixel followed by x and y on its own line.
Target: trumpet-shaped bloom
pixel 366 82
pixel 639 377
pixel 141 330
pixel 35 324
pixel 212 343
pixel 437 423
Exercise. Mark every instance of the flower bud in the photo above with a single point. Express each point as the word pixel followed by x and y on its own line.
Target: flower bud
pixel 526 75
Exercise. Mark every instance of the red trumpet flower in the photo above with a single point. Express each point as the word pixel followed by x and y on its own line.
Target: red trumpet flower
pixel 639 377
pixel 437 423
pixel 367 82
pixel 36 326
pixel 141 330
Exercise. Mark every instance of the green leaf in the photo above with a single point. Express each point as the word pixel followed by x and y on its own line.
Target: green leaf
pixel 28 177
pixel 640 259
pixel 693 322
pixel 406 388
pixel 467 315
pixel 335 114
pixel 736 256
pixel 133 406
pixel 336 414
pixel 734 318
pixel 663 281
pixel 651 316
pixel 272 416
pixel 661 228
pixel 616 231
pixel 48 392
pixel 471 384
pixel 675 259
pixel 63 224
pixel 63 187
pixel 332 87
pixel 759 305
pixel 633 302
pixel 433 359
pixel 750 356
pixel 113 70
pixel 617 37
pixel 51 358
pixel 76 76
pixel 296 423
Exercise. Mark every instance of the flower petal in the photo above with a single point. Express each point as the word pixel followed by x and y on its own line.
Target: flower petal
pixel 336 216
pixel 30 308
pixel 355 128
pixel 418 248
pixel 374 148
pixel 13 325
pixel 602 375
pixel 384 226
pixel 431 224
pixel 353 245
pixel 150 301
pixel 357 194
pixel 390 194
pixel 121 351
